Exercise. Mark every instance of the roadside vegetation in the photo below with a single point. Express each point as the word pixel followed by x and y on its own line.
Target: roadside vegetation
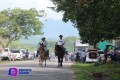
pixel 109 71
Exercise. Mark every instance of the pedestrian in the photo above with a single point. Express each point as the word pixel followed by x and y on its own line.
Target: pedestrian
pixel 106 51
pixel 27 54
pixel 83 56
pixel 66 56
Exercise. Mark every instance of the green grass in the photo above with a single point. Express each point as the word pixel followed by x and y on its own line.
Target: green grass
pixel 1 62
pixel 85 71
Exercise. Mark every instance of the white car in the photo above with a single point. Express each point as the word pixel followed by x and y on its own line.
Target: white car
pixel 17 54
pixel 92 56
pixel 6 54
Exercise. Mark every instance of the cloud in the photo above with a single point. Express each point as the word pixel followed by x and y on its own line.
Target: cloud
pixel 27 4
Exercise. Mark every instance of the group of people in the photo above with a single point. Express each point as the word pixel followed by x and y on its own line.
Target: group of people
pixel 43 41
pixel 111 55
pixel 83 55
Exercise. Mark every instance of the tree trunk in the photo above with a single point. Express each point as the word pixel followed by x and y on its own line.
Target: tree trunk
pixel 2 46
pixel 95 45
pixel 9 41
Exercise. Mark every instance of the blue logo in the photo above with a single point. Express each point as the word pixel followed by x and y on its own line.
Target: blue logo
pixel 15 71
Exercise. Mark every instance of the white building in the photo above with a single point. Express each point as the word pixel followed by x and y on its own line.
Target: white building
pixel 79 46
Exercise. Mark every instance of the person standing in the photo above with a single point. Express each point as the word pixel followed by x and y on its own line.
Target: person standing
pixel 106 52
pixel 83 56
pixel 27 55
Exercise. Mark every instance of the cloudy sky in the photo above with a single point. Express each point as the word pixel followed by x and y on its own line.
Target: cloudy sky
pixel 54 26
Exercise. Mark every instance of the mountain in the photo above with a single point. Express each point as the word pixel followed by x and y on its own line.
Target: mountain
pixel 34 40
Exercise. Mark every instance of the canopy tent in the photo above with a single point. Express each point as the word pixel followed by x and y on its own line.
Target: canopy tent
pixel 102 45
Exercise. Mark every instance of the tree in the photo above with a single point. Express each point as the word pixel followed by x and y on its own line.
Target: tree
pixel 17 23
pixel 96 20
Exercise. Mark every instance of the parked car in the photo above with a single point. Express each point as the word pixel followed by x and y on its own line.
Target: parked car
pixel 92 56
pixel 3 57
pixel 5 54
pixel 18 54
pixel 31 55
pixel 24 53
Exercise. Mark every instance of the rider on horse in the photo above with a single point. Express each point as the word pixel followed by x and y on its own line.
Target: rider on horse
pixel 44 43
pixel 61 42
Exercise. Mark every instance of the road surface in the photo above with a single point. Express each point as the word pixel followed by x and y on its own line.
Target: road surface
pixel 51 72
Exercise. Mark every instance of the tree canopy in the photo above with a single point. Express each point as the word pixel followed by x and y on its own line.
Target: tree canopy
pixel 17 23
pixel 96 20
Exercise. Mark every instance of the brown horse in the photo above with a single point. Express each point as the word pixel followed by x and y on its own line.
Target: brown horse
pixel 59 52
pixel 43 55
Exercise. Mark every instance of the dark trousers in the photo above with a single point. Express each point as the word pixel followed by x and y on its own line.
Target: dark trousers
pixel 83 59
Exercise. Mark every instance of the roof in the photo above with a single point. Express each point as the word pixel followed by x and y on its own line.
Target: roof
pixel 79 44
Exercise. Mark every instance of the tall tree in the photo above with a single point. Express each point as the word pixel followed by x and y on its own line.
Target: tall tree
pixel 96 20
pixel 16 23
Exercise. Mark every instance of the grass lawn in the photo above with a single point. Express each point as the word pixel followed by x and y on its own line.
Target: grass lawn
pixel 89 71
pixel 2 62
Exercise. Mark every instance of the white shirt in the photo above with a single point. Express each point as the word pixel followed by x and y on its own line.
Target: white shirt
pixel 83 54
pixel 60 42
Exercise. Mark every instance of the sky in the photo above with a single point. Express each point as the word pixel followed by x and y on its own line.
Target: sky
pixel 53 24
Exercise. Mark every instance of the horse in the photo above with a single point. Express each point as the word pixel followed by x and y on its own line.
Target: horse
pixel 43 55
pixel 59 52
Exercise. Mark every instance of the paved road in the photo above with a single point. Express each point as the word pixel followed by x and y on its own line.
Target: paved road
pixel 51 72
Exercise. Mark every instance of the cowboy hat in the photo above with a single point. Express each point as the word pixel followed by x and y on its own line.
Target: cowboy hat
pixel 60 36
pixel 43 38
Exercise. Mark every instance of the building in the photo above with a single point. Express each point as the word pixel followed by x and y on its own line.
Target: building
pixel 79 46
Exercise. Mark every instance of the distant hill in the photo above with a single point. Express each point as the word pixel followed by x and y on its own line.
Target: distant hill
pixel 34 40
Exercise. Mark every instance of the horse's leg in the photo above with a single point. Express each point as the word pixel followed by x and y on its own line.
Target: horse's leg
pixel 39 61
pixel 42 62
pixel 45 62
pixel 58 61
pixel 61 61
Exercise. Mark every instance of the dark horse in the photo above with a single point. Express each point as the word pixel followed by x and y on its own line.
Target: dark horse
pixel 43 55
pixel 59 52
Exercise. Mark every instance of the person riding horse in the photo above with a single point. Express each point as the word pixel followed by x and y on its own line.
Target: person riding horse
pixel 43 51
pixel 44 43
pixel 61 42
pixel 60 50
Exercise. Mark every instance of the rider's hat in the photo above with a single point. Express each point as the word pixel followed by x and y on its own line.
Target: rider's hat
pixel 43 38
pixel 60 36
